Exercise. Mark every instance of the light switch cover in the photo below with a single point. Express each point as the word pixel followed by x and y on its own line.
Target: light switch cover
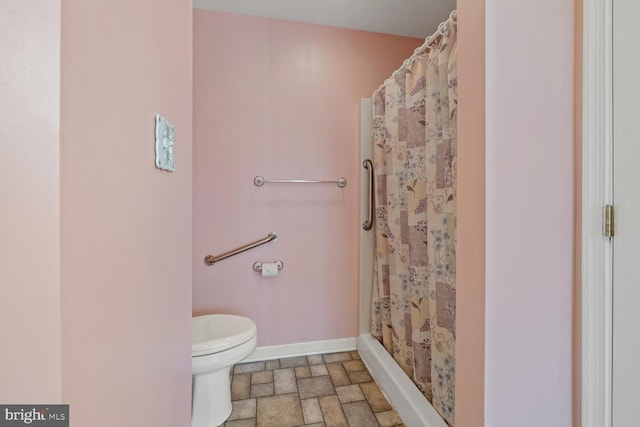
pixel 164 144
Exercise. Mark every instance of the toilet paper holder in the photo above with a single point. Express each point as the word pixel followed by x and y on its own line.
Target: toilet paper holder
pixel 257 266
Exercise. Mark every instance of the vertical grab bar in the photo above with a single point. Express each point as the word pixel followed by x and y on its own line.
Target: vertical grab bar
pixel 367 164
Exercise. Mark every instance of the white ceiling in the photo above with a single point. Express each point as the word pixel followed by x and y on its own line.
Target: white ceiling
pixel 412 18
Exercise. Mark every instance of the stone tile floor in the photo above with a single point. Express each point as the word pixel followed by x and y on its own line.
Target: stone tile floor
pixel 324 390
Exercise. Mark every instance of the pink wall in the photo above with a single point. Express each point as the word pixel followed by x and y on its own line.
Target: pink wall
pixel 280 99
pixel 530 212
pixel 470 259
pixel 126 226
pixel 125 316
pixel 30 201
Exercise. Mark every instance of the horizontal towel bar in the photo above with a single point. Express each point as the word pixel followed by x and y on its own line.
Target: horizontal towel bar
pixel 259 181
pixel 210 259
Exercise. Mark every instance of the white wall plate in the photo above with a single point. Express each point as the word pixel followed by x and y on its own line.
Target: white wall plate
pixel 164 144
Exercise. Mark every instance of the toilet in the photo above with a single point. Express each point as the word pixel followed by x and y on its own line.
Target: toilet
pixel 218 341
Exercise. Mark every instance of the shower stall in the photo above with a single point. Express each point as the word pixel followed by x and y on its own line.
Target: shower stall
pixel 408 140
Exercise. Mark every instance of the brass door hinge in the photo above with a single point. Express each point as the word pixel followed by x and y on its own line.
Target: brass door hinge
pixel 609 222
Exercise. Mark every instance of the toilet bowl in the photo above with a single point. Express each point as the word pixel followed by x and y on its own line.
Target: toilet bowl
pixel 218 341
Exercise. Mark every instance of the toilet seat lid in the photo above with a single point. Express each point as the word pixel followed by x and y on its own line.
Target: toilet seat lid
pixel 212 333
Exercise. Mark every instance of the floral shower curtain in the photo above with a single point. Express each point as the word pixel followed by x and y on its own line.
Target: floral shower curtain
pixel 414 290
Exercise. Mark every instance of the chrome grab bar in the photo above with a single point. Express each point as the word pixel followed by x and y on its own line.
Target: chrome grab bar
pixel 259 181
pixel 210 259
pixel 367 164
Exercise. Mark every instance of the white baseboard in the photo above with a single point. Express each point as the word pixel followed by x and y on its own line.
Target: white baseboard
pixel 404 396
pixel 301 349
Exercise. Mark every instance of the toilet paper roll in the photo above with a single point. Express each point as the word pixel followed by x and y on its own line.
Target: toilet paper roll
pixel 269 269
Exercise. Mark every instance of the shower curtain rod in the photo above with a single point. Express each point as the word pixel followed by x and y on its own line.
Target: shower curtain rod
pixel 439 32
pixel 426 45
